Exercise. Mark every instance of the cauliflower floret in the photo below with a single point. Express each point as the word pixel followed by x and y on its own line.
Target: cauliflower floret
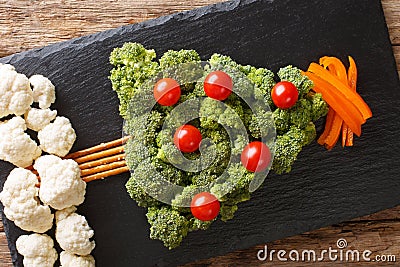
pixel 37 119
pixel 71 260
pixel 15 145
pixel 73 232
pixel 16 95
pixel 44 91
pixel 6 67
pixel 58 137
pixel 38 250
pixel 21 203
pixel 61 185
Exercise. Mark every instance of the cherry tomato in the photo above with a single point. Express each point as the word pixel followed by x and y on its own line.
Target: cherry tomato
pixel 284 95
pixel 256 156
pixel 167 92
pixel 205 206
pixel 187 138
pixel 218 85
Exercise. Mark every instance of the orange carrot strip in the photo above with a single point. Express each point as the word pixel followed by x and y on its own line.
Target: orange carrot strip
pixel 345 132
pixel 335 64
pixel 344 107
pixel 328 126
pixel 352 80
pixel 334 133
pixel 337 68
pixel 343 88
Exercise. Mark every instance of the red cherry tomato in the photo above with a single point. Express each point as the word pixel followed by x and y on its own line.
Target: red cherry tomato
pixel 167 92
pixel 256 156
pixel 218 85
pixel 284 95
pixel 187 138
pixel 205 206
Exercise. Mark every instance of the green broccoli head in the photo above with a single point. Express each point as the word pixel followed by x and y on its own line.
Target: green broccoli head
pixel 167 225
pixel 262 118
pixel 318 106
pixel 263 80
pixel 132 54
pixel 301 113
pixel 282 119
pixel 289 145
pixel 196 224
pixel 293 75
pixel 238 178
pixel 227 212
pixel 136 191
pixel 219 62
pixel 210 110
pixel 133 66
pixel 172 58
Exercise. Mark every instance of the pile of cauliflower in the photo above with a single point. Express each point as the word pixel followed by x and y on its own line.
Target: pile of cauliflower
pixel 32 208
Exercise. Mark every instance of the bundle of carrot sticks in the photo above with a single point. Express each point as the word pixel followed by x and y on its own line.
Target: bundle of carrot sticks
pixel 347 110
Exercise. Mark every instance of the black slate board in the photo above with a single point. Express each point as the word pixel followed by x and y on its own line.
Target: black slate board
pixel 324 187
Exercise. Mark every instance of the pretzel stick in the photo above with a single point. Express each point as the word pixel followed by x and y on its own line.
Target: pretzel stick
pixel 105 174
pixel 97 148
pixel 102 168
pixel 102 161
pixel 99 155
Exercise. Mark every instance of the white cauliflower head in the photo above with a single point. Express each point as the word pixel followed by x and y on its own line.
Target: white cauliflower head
pixel 61 185
pixel 73 232
pixel 71 260
pixel 43 91
pixel 15 145
pixel 16 95
pixel 21 203
pixel 58 137
pixel 37 119
pixel 38 250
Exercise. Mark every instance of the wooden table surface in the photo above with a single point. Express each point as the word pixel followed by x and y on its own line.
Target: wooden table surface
pixel 25 24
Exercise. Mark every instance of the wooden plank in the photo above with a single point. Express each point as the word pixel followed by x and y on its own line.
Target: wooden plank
pixel 381 238
pixel 29 24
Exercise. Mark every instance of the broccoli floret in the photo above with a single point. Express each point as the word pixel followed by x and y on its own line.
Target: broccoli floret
pixel 219 62
pixel 182 201
pixel 241 86
pixel 203 179
pixel 230 119
pixel 309 133
pixel 227 212
pixel 137 192
pixel 281 119
pixel 145 127
pixel 293 75
pixel 301 113
pixel 168 153
pixel 167 225
pixel 210 110
pixel 170 173
pixel 183 66
pixel 218 135
pixel 263 119
pixel 238 144
pixel 238 178
pixel 172 58
pixel 289 145
pixel 263 79
pixel 133 66
pixel 319 107
pixel 136 152
pixel 196 224
pixel 164 137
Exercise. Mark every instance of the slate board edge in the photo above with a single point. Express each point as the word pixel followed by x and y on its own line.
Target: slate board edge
pixel 85 40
